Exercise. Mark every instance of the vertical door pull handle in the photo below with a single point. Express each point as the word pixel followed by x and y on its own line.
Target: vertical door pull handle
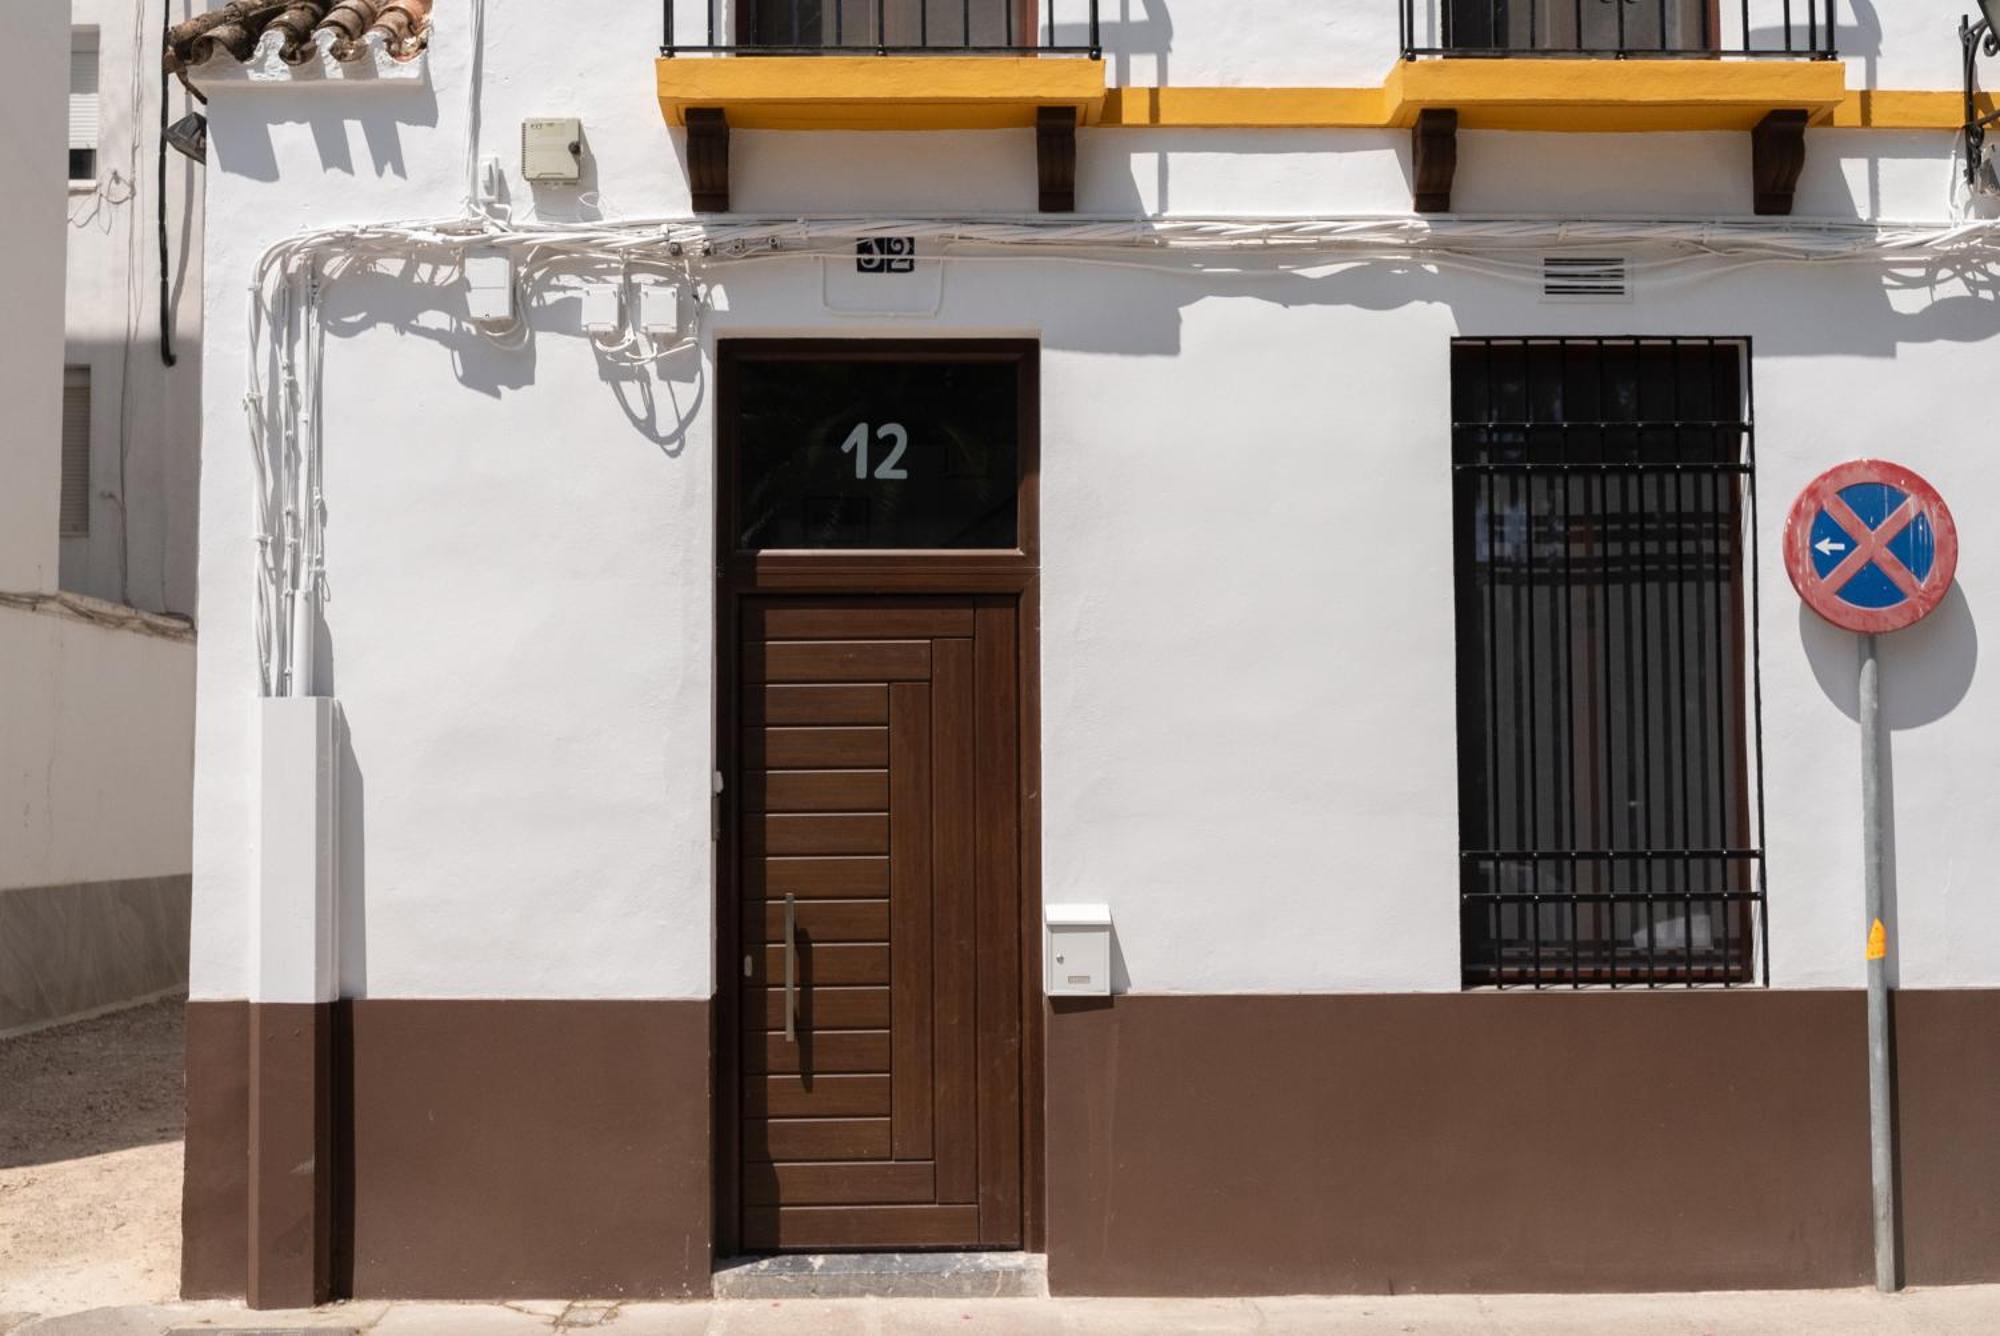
pixel 791 969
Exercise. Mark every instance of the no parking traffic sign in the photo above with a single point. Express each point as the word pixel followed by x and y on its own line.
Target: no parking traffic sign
pixel 1870 546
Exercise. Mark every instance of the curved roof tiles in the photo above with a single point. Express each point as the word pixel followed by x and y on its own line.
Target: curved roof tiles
pixel 345 29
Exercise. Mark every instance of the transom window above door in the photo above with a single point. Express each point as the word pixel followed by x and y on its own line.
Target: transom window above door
pixel 864 449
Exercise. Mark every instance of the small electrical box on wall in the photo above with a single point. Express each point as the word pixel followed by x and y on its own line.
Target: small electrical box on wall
pixel 1076 952
pixel 552 150
pixel 489 286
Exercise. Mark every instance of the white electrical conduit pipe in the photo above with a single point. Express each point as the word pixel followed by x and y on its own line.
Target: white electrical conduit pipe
pixel 290 279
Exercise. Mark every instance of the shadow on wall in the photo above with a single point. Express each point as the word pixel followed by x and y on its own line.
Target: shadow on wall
pixel 1814 310
pixel 426 300
pixel 243 145
pixel 351 841
pixel 1925 670
pixel 1848 310
pixel 352 878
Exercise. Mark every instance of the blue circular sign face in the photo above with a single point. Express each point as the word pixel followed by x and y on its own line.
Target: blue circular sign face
pixel 1913 546
pixel 1870 546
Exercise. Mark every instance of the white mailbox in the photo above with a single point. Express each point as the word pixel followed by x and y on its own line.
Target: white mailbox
pixel 1076 952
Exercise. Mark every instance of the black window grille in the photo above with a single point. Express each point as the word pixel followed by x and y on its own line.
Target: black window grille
pixel 1608 714
pixel 1621 29
pixel 886 27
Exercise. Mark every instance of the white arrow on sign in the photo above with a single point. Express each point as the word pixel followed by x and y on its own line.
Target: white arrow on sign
pixel 1827 547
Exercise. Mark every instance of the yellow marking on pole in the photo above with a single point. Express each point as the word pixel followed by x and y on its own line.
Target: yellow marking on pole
pixel 1878 941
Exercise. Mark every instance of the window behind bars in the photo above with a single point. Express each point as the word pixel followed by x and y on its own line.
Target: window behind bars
pixel 1608 810
pixel 906 24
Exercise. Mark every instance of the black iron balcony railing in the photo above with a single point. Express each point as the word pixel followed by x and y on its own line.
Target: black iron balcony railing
pixel 1620 29
pixel 891 28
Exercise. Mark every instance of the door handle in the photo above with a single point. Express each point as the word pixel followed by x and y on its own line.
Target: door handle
pixel 791 969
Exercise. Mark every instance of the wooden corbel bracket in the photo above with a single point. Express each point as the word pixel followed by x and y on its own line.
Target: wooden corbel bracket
pixel 1434 158
pixel 1055 158
pixel 1777 156
pixel 708 158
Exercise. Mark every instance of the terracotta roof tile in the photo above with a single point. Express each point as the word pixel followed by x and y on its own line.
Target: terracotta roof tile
pixel 301 27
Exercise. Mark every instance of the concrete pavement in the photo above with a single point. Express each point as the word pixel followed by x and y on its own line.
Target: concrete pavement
pixel 1968 1311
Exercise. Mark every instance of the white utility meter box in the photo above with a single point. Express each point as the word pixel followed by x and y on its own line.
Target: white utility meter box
pixel 601 307
pixel 552 149
pixel 1076 951
pixel 489 286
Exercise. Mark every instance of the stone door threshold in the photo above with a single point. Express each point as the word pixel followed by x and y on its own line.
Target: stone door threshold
pixel 920 1275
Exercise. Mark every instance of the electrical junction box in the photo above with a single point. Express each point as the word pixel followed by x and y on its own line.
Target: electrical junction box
pixel 489 286
pixel 600 308
pixel 659 307
pixel 1076 951
pixel 552 150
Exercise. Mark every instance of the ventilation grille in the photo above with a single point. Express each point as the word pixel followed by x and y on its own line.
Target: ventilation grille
pixel 75 508
pixel 1586 278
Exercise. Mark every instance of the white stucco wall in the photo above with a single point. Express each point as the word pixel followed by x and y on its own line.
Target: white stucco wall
pixel 1247 749
pixel 96 724
pixel 33 107
pixel 145 416
pixel 96 751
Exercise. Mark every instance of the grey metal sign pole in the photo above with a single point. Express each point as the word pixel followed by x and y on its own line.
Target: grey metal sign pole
pixel 1881 1133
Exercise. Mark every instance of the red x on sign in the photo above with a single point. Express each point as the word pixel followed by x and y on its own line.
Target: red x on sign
pixel 1870 546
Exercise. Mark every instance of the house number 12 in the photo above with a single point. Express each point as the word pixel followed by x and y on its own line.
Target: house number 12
pixel 856 444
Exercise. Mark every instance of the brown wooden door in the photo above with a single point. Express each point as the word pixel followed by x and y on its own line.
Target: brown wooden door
pixel 880 792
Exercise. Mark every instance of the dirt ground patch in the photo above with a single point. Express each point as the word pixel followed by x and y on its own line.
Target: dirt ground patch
pixel 91 1119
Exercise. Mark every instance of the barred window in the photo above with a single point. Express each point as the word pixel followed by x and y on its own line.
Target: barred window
pixel 1607 734
pixel 863 24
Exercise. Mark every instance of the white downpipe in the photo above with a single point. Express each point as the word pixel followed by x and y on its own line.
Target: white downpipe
pixel 305 500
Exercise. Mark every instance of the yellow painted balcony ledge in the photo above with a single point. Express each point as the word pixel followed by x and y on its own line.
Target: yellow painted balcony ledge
pixel 880 92
pixel 1613 95
pixel 1572 95
pixel 997 92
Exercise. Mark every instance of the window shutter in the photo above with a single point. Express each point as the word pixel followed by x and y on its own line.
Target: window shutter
pixel 75 519
pixel 83 88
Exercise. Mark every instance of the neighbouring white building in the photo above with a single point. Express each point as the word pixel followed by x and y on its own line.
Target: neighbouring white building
pixel 129 535
pixel 726 525
pixel 100 466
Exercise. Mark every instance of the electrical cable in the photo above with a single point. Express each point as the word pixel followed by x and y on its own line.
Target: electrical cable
pixel 284 405
pixel 167 354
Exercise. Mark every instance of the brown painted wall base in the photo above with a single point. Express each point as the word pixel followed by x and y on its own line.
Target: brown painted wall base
pixel 1487 1142
pixel 1948 1134
pixel 291 1151
pixel 1196 1145
pixel 481 1149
